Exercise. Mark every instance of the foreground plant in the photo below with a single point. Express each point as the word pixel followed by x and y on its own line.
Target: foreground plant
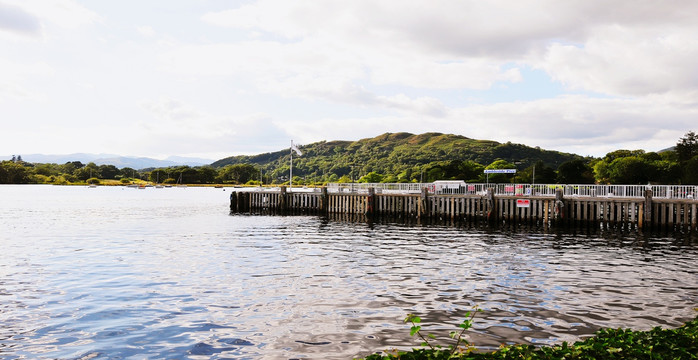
pixel 457 335
pixel 657 343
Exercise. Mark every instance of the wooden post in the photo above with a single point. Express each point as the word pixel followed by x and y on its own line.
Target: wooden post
pixel 283 200
pixel 546 213
pixel 559 205
pixel 240 201
pixel 370 203
pixel 234 202
pixel 647 216
pixel 423 201
pixel 323 201
pixel 491 205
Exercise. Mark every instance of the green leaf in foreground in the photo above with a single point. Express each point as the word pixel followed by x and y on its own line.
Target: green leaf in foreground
pixel 657 343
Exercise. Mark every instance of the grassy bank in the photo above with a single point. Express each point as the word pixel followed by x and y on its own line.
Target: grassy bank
pixel 657 343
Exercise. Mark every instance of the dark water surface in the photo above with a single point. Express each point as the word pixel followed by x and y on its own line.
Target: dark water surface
pixel 167 273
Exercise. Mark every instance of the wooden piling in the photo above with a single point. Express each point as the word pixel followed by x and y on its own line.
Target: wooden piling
pixel 559 207
pixel 491 205
pixel 283 201
pixel 647 215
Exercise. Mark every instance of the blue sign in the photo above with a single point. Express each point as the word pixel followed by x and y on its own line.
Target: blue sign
pixel 500 171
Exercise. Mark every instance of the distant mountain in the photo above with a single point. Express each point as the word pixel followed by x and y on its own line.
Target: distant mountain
pixel 673 148
pixel 116 160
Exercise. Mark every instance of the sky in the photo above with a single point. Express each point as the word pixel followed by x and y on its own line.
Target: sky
pixel 212 79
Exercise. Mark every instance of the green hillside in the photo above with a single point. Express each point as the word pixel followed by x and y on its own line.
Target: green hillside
pixel 399 157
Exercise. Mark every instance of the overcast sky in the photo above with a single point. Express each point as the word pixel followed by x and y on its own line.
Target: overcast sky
pixel 213 79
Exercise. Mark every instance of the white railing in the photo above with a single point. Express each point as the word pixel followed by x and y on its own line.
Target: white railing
pixel 569 190
pixel 688 192
pixel 385 188
pixel 675 191
pixel 590 190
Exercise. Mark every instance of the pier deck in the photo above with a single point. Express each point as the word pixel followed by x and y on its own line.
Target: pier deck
pixel 479 204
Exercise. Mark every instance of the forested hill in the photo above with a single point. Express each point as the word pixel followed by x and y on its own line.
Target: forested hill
pixel 403 156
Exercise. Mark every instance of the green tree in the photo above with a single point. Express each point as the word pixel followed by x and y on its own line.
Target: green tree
pixel 207 174
pixel 543 174
pixel 14 173
pixel 690 172
pixel 158 175
pixel 108 171
pixel 631 170
pixel 47 169
pixel 617 154
pixel 434 171
pixel 687 147
pixel 187 175
pixel 469 170
pixel 667 172
pixel 603 168
pixel 87 171
pixel 372 177
pixel 575 171
pixel 71 166
pixel 601 172
pixel 128 172
pixel 238 173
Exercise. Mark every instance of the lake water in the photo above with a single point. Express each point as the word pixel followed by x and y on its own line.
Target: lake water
pixel 111 272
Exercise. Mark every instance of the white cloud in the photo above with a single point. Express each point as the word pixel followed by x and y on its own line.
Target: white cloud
pixel 433 74
pixel 248 79
pixel 174 118
pixel 146 31
pixel 350 39
pixel 626 61
pixel 64 13
pixel 578 124
pixel 624 48
pixel 197 131
pixel 14 77
pixel 16 20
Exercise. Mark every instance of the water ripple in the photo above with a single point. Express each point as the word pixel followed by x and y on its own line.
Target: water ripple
pixel 122 273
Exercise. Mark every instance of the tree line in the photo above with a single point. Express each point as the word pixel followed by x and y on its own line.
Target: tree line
pixel 392 158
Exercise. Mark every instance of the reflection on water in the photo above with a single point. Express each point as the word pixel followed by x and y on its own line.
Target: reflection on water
pixel 118 273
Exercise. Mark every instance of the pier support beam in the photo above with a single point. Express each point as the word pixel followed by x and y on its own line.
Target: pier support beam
pixel 233 201
pixel 370 202
pixel 647 215
pixel 423 201
pixel 283 200
pixel 491 205
pixel 323 201
pixel 559 208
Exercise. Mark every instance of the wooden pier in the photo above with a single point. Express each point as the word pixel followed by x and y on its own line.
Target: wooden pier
pixel 615 212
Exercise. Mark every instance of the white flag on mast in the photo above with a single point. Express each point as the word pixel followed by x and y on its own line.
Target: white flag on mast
pixel 296 149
